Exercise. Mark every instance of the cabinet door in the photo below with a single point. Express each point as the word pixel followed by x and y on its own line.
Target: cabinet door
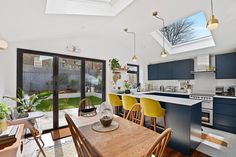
pixel 224 114
pixel 152 71
pixel 226 66
pixel 164 71
pixel 182 69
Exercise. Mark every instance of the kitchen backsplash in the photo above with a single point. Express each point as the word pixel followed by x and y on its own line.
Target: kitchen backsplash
pixel 202 82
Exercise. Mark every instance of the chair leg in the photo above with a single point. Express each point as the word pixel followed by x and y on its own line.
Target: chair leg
pixel 124 115
pixel 150 123
pixel 155 123
pixel 164 121
pixel 142 123
pixel 41 141
pixel 115 110
pixel 40 147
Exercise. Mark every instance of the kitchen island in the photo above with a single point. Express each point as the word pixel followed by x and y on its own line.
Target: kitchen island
pixel 184 117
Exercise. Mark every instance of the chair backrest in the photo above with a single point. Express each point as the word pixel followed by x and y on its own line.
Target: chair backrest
pixel 79 141
pixel 114 100
pixel 160 144
pixel 85 104
pixel 128 101
pixel 135 114
pixel 151 107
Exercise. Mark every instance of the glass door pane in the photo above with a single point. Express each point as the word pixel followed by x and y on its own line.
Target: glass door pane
pixel 38 77
pixel 69 83
pixel 94 81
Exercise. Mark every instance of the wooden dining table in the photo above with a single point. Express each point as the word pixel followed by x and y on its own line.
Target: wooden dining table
pixel 129 140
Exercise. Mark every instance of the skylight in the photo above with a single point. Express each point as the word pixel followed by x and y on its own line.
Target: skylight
pixel 87 7
pixel 187 29
pixel 186 34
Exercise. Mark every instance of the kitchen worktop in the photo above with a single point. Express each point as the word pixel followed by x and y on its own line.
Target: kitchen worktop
pixel 155 91
pixel 225 97
pixel 166 99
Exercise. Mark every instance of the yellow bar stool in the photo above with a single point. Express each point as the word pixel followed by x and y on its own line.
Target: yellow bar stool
pixel 128 103
pixel 115 101
pixel 153 110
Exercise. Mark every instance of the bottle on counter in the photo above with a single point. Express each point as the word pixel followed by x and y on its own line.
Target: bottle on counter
pixel 139 87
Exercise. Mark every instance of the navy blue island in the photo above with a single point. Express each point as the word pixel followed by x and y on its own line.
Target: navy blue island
pixel 184 117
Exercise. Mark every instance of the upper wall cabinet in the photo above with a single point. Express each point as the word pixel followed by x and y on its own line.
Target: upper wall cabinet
pixel 182 69
pixel 177 70
pixel 225 66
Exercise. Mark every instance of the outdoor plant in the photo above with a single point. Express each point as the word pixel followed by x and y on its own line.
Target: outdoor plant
pixel 74 83
pixel 3 111
pixel 114 63
pixel 28 103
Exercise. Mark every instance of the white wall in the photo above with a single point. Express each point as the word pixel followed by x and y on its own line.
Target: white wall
pixel 91 47
pixel 2 77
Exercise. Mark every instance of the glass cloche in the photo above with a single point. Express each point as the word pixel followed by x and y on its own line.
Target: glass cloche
pixel 106 114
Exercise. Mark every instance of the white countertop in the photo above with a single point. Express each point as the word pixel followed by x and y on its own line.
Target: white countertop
pixel 167 99
pixel 155 91
pixel 225 97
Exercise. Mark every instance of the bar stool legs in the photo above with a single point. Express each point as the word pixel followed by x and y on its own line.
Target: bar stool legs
pixel 153 123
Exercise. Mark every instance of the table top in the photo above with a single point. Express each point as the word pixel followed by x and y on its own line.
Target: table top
pixel 128 140
pixel 11 151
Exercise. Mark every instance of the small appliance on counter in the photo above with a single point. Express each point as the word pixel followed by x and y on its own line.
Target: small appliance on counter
pixel 226 91
pixel 231 91
pixel 219 90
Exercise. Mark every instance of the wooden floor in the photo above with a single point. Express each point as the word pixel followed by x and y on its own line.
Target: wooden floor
pixel 172 153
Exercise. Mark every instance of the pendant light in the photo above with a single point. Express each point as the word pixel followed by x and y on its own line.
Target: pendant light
pixel 213 21
pixel 3 44
pixel 134 58
pixel 163 53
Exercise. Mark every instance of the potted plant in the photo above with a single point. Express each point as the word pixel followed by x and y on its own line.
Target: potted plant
pixel 127 86
pixel 3 115
pixel 28 103
pixel 115 65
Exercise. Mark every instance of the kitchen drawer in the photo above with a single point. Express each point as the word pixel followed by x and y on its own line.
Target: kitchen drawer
pixel 224 120
pixel 225 101
pixel 225 106
pixel 225 128
pixel 225 109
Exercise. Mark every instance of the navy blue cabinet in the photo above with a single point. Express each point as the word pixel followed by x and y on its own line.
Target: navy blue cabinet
pixel 226 66
pixel 152 71
pixel 182 69
pixel 164 71
pixel 224 117
pixel 177 70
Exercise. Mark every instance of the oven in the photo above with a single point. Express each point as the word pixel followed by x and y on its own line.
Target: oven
pixel 207 107
pixel 207 117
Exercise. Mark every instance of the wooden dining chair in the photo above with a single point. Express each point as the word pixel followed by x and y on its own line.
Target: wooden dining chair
pixel 79 141
pixel 37 137
pixel 135 114
pixel 160 144
pixel 85 103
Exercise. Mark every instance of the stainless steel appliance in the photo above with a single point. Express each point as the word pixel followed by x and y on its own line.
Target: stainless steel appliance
pixel 207 107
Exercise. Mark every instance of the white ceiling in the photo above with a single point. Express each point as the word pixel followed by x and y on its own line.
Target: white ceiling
pixel 87 7
pixel 26 20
